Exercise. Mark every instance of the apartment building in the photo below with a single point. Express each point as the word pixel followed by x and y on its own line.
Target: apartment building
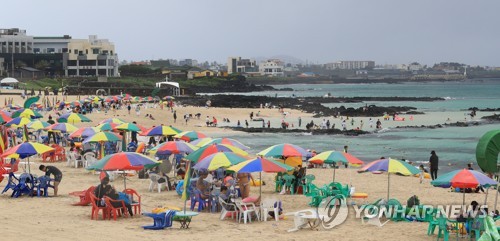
pixel 272 67
pixel 350 65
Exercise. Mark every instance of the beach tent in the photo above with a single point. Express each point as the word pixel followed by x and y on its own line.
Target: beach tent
pixel 9 80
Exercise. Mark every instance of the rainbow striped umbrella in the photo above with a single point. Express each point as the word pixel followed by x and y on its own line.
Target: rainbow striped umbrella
pixel 205 151
pixel 463 179
pixel 113 120
pixel 128 127
pixel 114 98
pixel 389 165
pixel 190 135
pixel 18 121
pixel 26 149
pixel 4 116
pixel 124 161
pixel 331 157
pixel 72 118
pixel 136 99
pixel 260 165
pixel 229 141
pixel 162 131
pixel 283 150
pixel 102 137
pixel 38 124
pixel 84 132
pixel 62 127
pixel 175 147
pixel 219 159
pixel 109 126
pixel 201 142
pixel 28 113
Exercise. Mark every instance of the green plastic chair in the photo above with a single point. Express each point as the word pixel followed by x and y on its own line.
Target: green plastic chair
pixel 490 230
pixel 307 183
pixel 316 197
pixel 477 226
pixel 394 204
pixel 289 182
pixel 279 181
pixel 443 229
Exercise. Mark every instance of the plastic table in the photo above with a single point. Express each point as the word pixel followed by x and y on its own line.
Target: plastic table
pixel 184 218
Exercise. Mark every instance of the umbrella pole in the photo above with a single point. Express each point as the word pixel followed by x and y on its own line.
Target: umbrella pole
pixel 334 169
pixel 496 198
pixel 463 202
pixel 124 180
pixel 486 198
pixel 388 184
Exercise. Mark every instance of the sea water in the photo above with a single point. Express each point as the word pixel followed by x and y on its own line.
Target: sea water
pixel 455 146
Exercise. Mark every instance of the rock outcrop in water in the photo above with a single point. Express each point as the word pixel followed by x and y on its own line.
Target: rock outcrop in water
pixel 312 131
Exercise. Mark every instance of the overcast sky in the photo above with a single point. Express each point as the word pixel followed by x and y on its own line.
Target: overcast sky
pixel 387 31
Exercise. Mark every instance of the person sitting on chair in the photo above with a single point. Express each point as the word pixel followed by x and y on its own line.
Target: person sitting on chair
pixel 202 185
pixel 104 189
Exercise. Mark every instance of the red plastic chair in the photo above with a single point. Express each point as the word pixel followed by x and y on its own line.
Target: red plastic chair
pixel 115 211
pixel 135 199
pixel 96 209
pixel 49 156
pixel 59 154
pixel 84 196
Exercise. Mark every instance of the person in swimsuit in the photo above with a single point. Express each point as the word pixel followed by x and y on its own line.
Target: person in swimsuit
pixel 244 183
pixel 54 171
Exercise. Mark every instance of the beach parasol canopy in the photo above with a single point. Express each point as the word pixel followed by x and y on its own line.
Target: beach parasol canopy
pixel 113 120
pixel 62 127
pixel 205 151
pixel 168 97
pixel 390 165
pixel 38 125
pixel 174 147
pixel 109 126
pixel 102 137
pixel 190 135
pixel 463 179
pixel 28 113
pixel 84 132
pixel 283 150
pixel 219 159
pixel 72 118
pixel 161 131
pixel 124 161
pixel 201 142
pixel 18 122
pixel 26 149
pixel 128 127
pixel 229 141
pixel 4 116
pixel 334 157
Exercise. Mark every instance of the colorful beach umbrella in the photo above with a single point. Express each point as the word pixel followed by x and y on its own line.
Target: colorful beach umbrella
pixel 390 165
pixel 283 150
pixel 205 151
pixel 168 97
pixel 28 113
pixel 174 147
pixel 161 131
pixel 190 135
pixel 18 122
pixel 201 142
pixel 62 127
pixel 260 165
pixel 109 126
pixel 113 120
pixel 334 157
pixel 26 149
pixel 124 161
pixel 72 118
pixel 102 137
pixel 84 132
pixel 219 159
pixel 229 141
pixel 128 127
pixel 38 125
pixel 4 116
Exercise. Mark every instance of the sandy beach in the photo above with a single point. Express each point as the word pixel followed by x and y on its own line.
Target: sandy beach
pixel 54 218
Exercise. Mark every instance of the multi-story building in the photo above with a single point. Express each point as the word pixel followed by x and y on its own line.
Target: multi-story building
pixel 239 65
pixel 188 62
pixel 51 45
pixel 91 57
pixel 350 65
pixel 1 66
pixel 14 41
pixel 272 67
pixel 231 64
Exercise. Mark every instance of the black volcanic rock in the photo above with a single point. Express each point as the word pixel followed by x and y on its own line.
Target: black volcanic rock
pixel 313 131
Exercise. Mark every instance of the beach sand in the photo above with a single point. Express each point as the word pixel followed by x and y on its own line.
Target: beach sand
pixel 54 218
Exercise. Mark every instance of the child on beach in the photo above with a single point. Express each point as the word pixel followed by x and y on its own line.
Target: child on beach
pixel 422 173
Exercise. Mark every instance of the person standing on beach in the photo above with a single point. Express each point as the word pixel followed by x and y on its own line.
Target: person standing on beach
pixel 175 116
pixel 300 121
pixel 371 122
pixel 246 123
pixel 434 163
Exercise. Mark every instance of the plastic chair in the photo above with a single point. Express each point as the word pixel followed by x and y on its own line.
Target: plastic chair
pixel 289 183
pixel 161 220
pixel 246 210
pixel 135 199
pixel 443 229
pixel 59 154
pixel 115 211
pixel 153 178
pixel 25 185
pixel 270 204
pixel 397 209
pixel 477 226
pixel 279 182
pixel 89 158
pixel 84 196
pixel 96 208
pixel 43 184
pixel 12 182
pixel 227 208
pixel 197 199
pixel 307 184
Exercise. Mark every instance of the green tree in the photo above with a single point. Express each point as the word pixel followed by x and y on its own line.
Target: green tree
pixel 42 64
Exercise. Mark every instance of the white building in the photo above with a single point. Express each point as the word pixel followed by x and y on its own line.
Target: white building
pixel 15 40
pixel 51 45
pixel 272 67
pixel 1 66
pixel 350 65
pixel 91 57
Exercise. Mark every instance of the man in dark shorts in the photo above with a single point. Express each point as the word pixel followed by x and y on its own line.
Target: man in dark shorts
pixel 54 171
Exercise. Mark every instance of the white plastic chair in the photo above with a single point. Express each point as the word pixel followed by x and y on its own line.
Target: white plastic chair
pixel 89 158
pixel 246 210
pixel 309 217
pixel 269 204
pixel 153 178
pixel 227 208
